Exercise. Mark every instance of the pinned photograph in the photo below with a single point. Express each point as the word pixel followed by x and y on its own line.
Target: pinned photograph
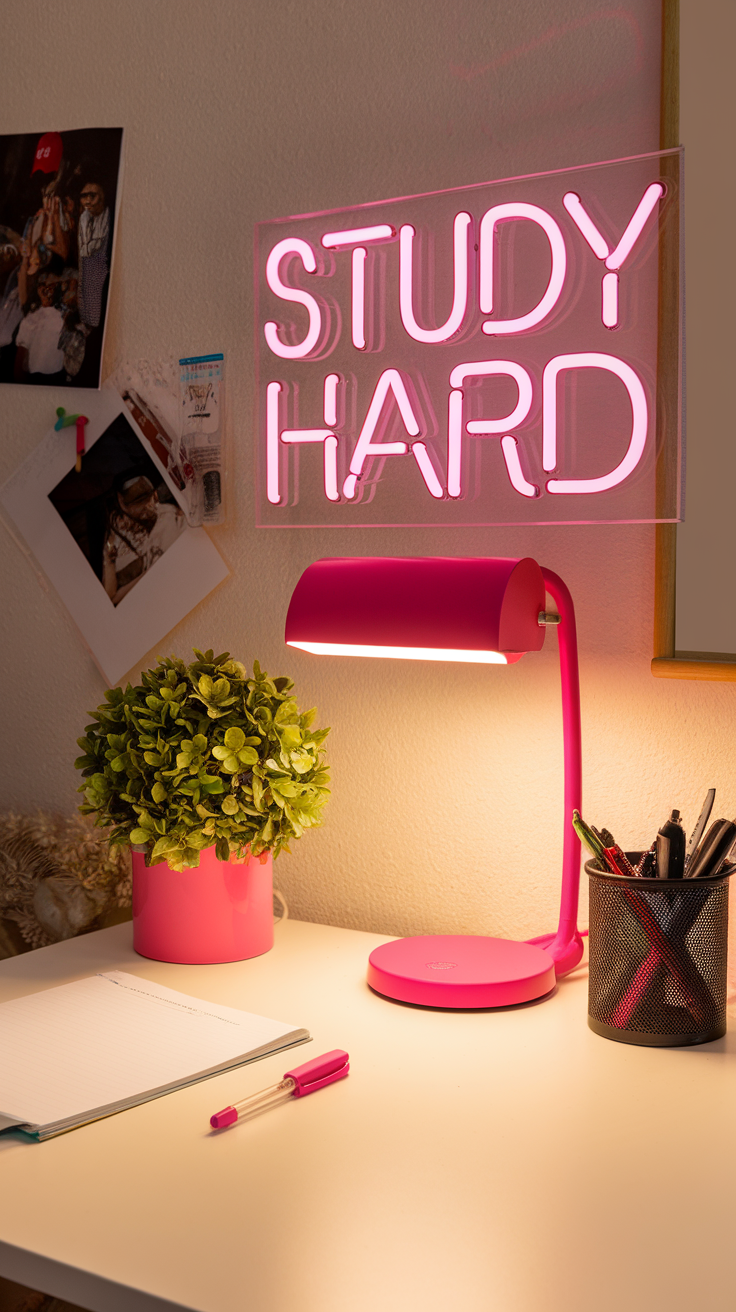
pixel 119 510
pixel 112 538
pixel 58 200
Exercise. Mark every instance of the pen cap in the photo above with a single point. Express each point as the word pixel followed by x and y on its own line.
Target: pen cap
pixel 318 1072
pixel 228 1116
pixel 670 848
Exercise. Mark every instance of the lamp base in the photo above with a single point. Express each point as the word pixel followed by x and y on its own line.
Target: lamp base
pixel 460 971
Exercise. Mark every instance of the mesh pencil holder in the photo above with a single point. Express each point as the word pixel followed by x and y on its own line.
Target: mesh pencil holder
pixel 658 954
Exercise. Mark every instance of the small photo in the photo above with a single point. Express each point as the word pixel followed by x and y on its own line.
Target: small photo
pixel 59 194
pixel 120 512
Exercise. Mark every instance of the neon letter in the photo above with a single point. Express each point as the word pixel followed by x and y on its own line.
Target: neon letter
pixel 519 482
pixel 639 424
pixel 358 315
pixel 460 295
pixel 454 443
pixel 292 246
pixel 635 226
pixel 365 449
pixel 499 214
pixel 580 216
pixel 356 236
pixel 329 440
pixel 609 300
pixel 332 491
pixel 293 436
pixel 426 468
pixel 485 427
pixel 351 236
pixel 272 443
pixel 599 245
pixel 330 399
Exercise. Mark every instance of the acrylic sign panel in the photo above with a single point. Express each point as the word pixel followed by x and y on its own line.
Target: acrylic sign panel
pixel 487 355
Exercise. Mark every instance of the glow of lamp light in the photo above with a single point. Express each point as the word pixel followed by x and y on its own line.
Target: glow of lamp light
pixel 467 656
pixel 639 426
pixel 292 246
pixel 502 213
pixel 460 294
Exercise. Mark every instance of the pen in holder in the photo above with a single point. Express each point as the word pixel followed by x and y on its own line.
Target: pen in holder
pixel 658 956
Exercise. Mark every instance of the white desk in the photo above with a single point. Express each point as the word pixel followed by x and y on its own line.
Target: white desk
pixel 472 1162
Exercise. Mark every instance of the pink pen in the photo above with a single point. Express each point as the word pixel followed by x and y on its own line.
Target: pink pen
pixel 302 1080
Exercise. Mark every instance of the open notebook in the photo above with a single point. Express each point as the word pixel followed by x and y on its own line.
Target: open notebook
pixel 84 1050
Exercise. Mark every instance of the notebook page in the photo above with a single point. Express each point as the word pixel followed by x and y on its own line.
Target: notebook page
pixel 113 1036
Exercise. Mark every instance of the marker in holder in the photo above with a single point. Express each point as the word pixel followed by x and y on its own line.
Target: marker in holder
pixel 658 956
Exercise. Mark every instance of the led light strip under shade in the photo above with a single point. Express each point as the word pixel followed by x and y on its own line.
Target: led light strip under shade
pixel 405 653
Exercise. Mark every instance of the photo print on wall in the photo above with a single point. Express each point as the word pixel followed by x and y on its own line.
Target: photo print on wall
pixel 113 539
pixel 59 193
pixel 119 510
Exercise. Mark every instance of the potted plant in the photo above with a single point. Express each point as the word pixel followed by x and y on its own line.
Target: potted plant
pixel 207 773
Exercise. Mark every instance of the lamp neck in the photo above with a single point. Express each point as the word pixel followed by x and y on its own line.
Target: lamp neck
pixel 566 946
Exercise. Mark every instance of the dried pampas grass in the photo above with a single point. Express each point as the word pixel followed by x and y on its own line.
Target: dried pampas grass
pixel 58 876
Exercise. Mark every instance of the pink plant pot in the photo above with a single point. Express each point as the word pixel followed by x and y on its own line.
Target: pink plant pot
pixel 222 911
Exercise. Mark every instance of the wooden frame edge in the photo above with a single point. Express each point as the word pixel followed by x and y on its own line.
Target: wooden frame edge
pixel 673 667
pixel 667 663
pixel 664 664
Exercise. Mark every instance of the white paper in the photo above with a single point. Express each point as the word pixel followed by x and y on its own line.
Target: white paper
pixel 111 1037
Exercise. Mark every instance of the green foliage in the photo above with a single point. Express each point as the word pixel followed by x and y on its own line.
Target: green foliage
pixel 201 755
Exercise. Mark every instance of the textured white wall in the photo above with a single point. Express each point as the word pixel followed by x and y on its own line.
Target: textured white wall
pixel 446 812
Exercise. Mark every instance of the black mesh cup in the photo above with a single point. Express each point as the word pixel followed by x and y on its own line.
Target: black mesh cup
pixel 658 953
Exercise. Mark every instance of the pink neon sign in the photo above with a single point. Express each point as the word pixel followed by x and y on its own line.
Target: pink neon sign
pixel 484 355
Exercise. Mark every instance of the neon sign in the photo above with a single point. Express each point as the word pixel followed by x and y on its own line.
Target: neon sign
pixel 479 356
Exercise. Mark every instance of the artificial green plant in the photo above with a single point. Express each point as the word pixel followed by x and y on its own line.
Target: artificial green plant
pixel 203 755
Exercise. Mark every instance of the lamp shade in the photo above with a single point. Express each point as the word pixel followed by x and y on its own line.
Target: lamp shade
pixel 441 608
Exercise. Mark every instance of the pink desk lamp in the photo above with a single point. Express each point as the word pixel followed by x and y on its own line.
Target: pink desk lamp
pixel 473 610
